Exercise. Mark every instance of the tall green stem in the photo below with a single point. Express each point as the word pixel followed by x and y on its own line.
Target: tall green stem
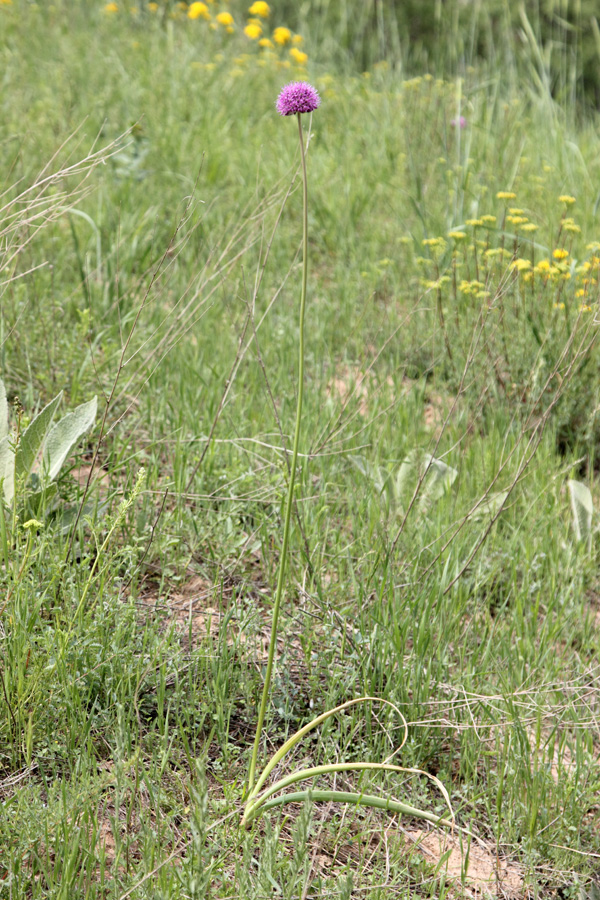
pixel 290 494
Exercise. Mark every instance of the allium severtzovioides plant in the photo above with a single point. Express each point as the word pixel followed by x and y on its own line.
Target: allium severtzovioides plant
pixel 296 99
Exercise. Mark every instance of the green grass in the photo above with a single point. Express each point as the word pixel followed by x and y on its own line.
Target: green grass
pixel 127 721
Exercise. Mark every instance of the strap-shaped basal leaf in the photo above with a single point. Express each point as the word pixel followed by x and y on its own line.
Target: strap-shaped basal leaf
pixel 63 437
pixel 33 438
pixel 583 509
pixel 7 468
pixel 3 412
pixel 262 798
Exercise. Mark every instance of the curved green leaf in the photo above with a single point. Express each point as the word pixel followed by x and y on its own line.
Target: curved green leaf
pixel 33 438
pixel 7 469
pixel 3 412
pixel 582 506
pixel 63 437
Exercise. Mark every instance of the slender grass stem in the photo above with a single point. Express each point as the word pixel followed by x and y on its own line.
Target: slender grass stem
pixel 292 479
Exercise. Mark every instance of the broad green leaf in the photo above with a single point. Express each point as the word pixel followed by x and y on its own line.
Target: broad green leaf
pixel 489 507
pixel 583 507
pixel 438 479
pixel 7 469
pixel 63 437
pixel 373 471
pixel 437 476
pixel 33 438
pixel 3 412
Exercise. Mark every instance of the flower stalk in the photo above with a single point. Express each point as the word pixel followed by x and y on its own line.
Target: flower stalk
pixel 294 99
pixel 292 479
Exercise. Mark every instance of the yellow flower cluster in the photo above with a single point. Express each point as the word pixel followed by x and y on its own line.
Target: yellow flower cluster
pixel 254 29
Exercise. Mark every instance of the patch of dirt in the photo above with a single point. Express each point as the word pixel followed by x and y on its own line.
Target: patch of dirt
pixel 352 383
pixel 197 616
pixel 99 478
pixel 484 875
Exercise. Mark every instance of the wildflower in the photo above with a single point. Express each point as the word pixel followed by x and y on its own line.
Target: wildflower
pixel 560 253
pixel 266 43
pixel 570 226
pixel 282 36
pixel 253 31
pixel 111 8
pixel 458 123
pixel 457 235
pixel 474 223
pixel 488 220
pixel 516 220
pixel 566 199
pixel 559 305
pixel 521 265
pixel 198 10
pixel 297 97
pixel 260 8
pixel 153 7
pixel 470 287
pixel 298 56
pixel 585 307
pixel 595 245
pixel 437 284
pixel 506 195
pixel 224 18
pixel 529 226
pixel 298 40
pixel 515 211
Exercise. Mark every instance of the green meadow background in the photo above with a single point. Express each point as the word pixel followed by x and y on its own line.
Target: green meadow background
pixel 150 255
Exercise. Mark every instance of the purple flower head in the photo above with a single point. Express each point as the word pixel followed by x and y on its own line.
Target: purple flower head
pixel 297 97
pixel 461 122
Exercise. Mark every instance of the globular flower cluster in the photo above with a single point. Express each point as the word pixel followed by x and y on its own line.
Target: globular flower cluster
pixel 297 97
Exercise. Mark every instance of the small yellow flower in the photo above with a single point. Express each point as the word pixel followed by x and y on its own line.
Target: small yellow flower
pixel 516 220
pixel 521 265
pixel 585 307
pixel 298 40
pixel 253 31
pixel 567 199
pixel 529 226
pixel 488 220
pixel 457 235
pixel 266 43
pixel 282 36
pixel 560 253
pixel 224 18
pixel 298 56
pixel 595 245
pixel 5 2
pixel 198 11
pixel 474 223
pixel 111 8
pixel 571 228
pixel 259 8
pixel 559 306
pixel 153 7
pixel 506 195
pixel 515 211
